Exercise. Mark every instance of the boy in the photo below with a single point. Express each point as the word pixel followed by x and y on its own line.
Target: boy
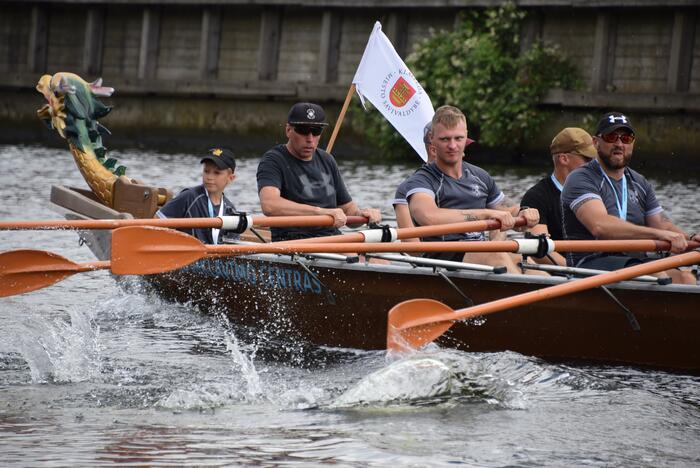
pixel 206 200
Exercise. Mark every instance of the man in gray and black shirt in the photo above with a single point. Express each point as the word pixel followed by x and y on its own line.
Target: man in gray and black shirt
pixel 450 190
pixel 298 178
pixel 605 199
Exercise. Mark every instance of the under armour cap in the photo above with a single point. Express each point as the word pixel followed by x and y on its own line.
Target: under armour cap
pixel 573 140
pixel 306 113
pixel 612 121
pixel 222 157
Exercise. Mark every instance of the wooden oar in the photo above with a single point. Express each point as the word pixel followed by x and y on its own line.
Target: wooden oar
pixel 185 223
pixel 22 271
pixel 373 235
pixel 149 250
pixel 416 322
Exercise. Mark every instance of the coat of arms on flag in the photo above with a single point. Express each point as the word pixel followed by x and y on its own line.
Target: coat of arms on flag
pixel 401 92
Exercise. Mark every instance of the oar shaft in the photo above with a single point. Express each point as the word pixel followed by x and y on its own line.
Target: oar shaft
pixel 421 231
pixel 90 266
pixel 641 245
pixel 355 247
pixel 563 289
pixel 174 223
pixel 461 246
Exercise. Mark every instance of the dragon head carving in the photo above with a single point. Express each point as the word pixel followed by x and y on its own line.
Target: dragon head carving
pixel 72 109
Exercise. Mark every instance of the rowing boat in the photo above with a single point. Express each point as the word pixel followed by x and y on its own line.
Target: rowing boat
pixel 329 300
pixel 326 300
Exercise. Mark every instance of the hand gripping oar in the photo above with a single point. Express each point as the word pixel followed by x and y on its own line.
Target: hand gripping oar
pixel 234 222
pixel 416 322
pixel 22 271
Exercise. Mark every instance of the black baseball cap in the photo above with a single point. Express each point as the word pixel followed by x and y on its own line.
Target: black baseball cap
pixel 222 157
pixel 612 121
pixel 306 113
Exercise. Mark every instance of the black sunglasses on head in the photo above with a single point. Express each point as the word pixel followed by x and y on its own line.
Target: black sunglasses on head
pixel 306 129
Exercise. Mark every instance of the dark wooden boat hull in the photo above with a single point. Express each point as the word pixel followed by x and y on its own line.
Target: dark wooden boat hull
pixel 346 305
pixel 587 326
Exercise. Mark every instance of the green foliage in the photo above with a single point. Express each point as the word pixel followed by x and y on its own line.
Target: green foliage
pixel 479 68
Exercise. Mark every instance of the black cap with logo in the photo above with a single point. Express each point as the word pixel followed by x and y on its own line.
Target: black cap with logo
pixel 611 122
pixel 306 113
pixel 222 157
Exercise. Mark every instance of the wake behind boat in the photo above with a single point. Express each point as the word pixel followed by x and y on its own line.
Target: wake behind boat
pixel 329 300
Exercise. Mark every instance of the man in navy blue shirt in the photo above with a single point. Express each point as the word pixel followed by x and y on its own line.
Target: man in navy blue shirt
pixel 206 200
pixel 450 190
pixel 298 178
pixel 606 199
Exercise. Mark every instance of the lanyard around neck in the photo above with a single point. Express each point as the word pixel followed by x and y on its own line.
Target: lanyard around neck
pixel 621 199
pixel 214 231
pixel 556 182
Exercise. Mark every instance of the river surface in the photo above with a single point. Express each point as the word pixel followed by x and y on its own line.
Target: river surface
pixel 97 373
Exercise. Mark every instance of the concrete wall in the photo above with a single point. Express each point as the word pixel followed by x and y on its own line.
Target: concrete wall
pixel 641 57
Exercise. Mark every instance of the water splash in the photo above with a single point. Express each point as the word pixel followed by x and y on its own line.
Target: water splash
pixel 59 350
pixel 204 397
pixel 243 363
pixel 408 380
pixel 434 377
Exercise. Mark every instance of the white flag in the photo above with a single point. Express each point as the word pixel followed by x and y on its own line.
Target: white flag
pixel 389 85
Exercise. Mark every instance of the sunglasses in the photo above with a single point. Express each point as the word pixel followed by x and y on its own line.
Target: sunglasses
pixel 306 129
pixel 625 138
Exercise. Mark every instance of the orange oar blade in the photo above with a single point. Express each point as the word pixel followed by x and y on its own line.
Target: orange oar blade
pixel 400 336
pixel 430 317
pixel 22 271
pixel 140 250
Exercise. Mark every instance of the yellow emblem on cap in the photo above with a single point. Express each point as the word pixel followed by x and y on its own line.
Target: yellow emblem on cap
pixel 216 152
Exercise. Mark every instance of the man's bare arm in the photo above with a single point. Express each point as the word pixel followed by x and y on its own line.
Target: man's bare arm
pixel 426 213
pixel 593 215
pixel 273 204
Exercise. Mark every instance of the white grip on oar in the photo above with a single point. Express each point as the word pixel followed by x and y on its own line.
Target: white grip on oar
pixel 232 223
pixel 531 246
pixel 376 235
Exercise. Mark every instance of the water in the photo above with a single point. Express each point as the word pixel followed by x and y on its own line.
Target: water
pixel 94 373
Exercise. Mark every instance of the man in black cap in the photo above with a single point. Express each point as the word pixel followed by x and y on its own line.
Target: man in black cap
pixel 605 199
pixel 298 178
pixel 206 200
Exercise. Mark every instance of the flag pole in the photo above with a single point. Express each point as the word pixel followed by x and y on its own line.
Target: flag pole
pixel 339 122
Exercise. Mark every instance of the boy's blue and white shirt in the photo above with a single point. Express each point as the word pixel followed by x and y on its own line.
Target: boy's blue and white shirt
pixel 193 202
